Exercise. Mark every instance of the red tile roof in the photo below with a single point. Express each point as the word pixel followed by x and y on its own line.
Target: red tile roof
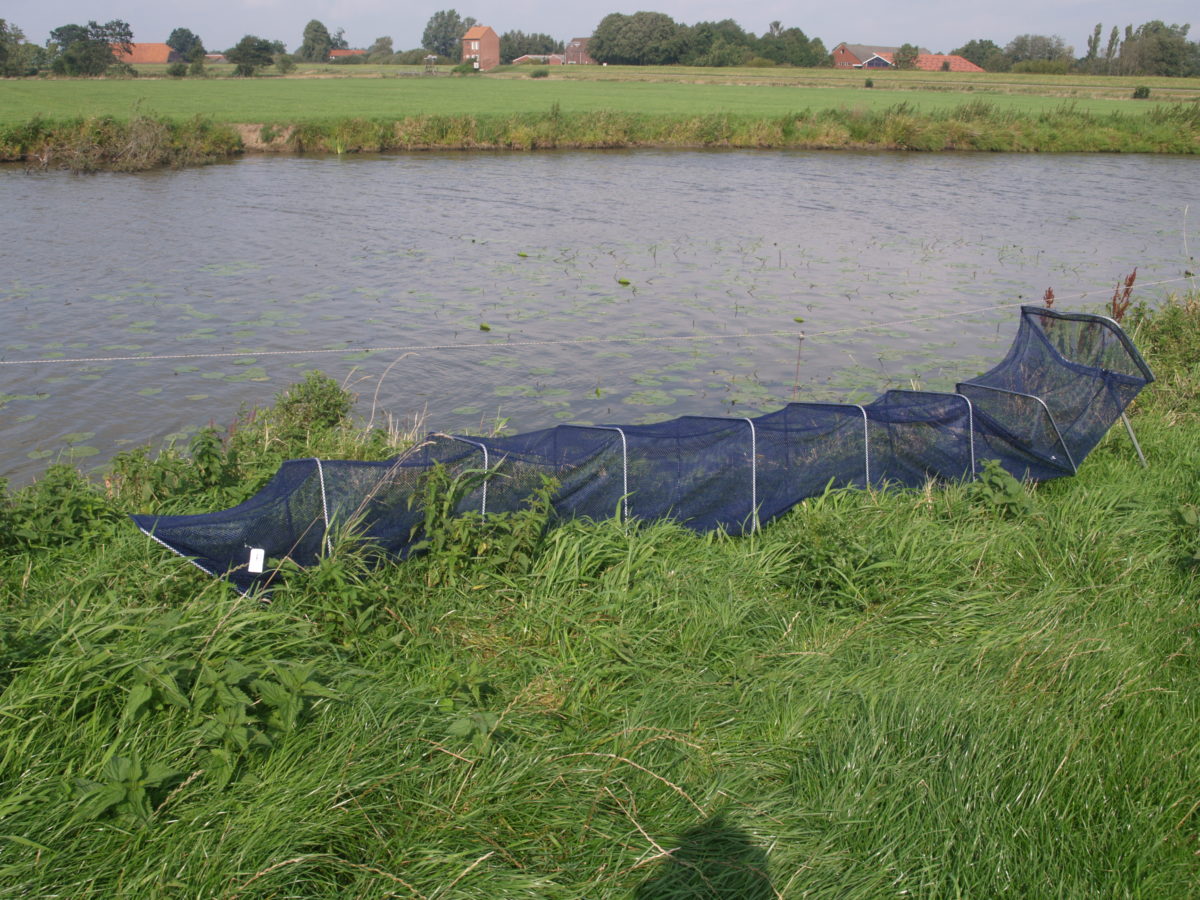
pixel 476 32
pixel 146 53
pixel 932 62
pixel 339 54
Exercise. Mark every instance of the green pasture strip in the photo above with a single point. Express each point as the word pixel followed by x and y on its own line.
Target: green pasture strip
pixel 918 693
pixel 285 100
pixel 1073 85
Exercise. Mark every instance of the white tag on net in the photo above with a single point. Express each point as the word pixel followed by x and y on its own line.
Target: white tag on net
pixel 257 558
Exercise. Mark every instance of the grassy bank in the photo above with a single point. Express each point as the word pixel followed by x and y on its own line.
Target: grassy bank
pixel 145 142
pixel 918 692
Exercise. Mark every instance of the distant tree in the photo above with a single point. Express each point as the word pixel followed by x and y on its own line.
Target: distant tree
pixel 443 33
pixel 380 50
pixel 250 54
pixel 89 49
pixel 9 39
pixel 644 38
pixel 17 56
pixel 1093 45
pixel 721 43
pixel 316 44
pixel 978 51
pixel 517 43
pixel 1026 47
pixel 284 63
pixel 184 42
pixel 906 56
pixel 196 62
pixel 338 41
pixel 65 35
pixel 1156 48
pixel 791 46
pixel 1110 51
pixel 998 61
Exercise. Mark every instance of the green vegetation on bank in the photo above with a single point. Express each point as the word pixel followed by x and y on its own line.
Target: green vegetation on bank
pixel 146 142
pixel 936 692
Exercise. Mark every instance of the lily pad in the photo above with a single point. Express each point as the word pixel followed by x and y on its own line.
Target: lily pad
pixel 650 398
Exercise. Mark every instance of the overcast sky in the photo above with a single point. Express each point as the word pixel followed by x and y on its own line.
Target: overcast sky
pixel 938 25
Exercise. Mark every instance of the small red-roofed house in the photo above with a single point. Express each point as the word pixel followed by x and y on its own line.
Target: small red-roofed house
pixel 863 56
pixel 481 44
pixel 346 54
pixel 143 54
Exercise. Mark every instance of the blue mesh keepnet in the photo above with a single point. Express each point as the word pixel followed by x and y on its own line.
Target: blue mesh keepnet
pixel 1067 378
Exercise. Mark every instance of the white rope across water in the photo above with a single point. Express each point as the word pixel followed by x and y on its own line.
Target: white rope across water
pixel 497 345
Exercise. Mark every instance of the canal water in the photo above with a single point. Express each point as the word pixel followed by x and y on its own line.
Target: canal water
pixel 533 289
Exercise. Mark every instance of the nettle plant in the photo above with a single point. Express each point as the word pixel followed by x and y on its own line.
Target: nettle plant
pixel 456 542
pixel 1000 492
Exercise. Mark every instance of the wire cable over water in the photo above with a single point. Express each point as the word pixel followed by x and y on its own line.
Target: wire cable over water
pixel 477 345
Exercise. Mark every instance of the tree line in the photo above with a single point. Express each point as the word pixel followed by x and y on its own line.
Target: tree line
pixel 642 38
pixel 653 38
pixel 1153 48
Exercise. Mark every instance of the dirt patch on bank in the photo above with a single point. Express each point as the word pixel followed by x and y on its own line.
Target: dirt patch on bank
pixel 265 138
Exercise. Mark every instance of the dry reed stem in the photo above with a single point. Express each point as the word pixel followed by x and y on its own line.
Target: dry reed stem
pixel 465 872
pixel 676 788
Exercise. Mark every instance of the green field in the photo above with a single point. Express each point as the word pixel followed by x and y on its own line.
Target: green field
pixel 687 92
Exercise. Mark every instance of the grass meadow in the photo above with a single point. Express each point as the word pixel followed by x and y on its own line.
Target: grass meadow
pixel 575 89
pixel 884 693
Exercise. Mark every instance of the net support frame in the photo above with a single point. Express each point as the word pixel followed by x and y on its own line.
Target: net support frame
pixel 753 464
pixel 970 416
pixel 328 541
pixel 1049 415
pixel 486 468
pixel 866 443
pixel 753 474
pixel 1133 438
pixel 624 466
pixel 866 429
pixel 1115 327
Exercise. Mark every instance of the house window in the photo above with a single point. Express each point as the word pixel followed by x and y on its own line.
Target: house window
pixel 474 45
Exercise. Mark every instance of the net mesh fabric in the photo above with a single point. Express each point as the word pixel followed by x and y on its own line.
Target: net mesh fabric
pixel 1064 382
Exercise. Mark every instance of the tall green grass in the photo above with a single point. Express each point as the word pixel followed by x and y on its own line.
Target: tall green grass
pixel 915 692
